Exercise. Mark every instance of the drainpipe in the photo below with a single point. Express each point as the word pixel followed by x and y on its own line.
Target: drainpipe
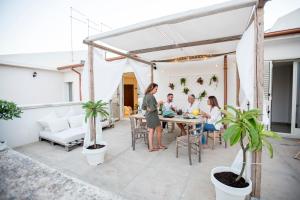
pixel 79 75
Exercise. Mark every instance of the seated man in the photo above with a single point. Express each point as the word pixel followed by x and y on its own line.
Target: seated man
pixel 168 105
pixel 192 105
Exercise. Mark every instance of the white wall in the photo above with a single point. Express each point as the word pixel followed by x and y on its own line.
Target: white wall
pixel 281 48
pixel 191 71
pixel 25 130
pixel 18 85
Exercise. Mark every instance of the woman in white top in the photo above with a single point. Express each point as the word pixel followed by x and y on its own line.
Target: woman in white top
pixel 213 116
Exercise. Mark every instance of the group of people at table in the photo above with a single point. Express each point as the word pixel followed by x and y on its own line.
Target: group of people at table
pixel 151 106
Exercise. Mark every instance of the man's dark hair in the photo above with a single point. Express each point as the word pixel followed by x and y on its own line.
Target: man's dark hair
pixel 170 94
pixel 192 95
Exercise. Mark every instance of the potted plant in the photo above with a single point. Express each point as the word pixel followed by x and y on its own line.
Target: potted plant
pixel 245 129
pixel 171 86
pixel 182 81
pixel 95 152
pixel 185 90
pixel 214 79
pixel 202 95
pixel 8 111
pixel 200 80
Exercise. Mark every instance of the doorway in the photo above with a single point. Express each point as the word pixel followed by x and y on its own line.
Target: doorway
pixel 282 90
pixel 130 94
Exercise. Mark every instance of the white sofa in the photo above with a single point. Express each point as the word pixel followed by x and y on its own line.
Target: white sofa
pixel 68 131
pixel 67 138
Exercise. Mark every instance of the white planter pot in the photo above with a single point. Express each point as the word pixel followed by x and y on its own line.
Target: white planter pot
pixel 3 145
pixel 95 156
pixel 224 192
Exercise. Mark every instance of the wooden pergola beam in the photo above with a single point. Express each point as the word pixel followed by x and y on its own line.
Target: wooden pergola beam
pixel 133 57
pixel 72 66
pixel 187 44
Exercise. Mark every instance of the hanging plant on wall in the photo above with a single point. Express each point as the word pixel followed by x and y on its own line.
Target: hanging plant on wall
pixel 171 86
pixel 202 95
pixel 186 90
pixel 214 80
pixel 200 80
pixel 183 81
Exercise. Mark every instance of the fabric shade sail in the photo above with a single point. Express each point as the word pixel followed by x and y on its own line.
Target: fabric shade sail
pixel 223 20
pixel 108 75
pixel 245 57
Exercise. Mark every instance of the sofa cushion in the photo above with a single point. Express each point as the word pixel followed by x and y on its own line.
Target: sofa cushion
pixel 76 121
pixel 44 121
pixel 58 124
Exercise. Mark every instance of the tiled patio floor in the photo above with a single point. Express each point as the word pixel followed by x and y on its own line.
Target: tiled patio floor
pixel 160 175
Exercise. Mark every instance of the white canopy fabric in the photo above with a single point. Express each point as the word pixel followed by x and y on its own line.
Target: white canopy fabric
pixel 245 57
pixel 107 77
pixel 142 73
pixel 217 21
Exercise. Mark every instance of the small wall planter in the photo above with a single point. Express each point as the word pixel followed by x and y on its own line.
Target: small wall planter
pixel 171 86
pixel 202 95
pixel 214 80
pixel 200 80
pixel 183 81
pixel 185 90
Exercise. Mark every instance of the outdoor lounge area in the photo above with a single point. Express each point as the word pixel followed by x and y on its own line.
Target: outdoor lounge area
pixel 142 175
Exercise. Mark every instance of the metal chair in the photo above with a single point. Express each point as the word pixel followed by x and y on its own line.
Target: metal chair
pixel 138 131
pixel 191 141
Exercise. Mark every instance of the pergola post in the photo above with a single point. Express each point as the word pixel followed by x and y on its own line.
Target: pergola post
pixel 91 85
pixel 258 91
pixel 152 76
pixel 225 81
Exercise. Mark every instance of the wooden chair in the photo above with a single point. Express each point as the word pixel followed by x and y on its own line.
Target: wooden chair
pixel 138 131
pixel 214 135
pixel 190 141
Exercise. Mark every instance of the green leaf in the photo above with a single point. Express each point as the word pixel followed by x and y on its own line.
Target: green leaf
pixel 231 131
pixel 269 147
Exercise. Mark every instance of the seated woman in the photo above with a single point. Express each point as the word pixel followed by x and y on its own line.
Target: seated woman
pixel 213 116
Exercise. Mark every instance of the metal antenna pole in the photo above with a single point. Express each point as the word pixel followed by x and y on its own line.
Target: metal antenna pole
pixel 71 33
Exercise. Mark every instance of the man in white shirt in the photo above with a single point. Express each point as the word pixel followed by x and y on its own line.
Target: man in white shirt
pixel 192 104
pixel 168 105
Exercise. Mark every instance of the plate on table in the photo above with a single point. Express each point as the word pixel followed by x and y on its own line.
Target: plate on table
pixel 190 116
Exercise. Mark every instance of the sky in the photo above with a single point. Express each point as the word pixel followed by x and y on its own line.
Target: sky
pixel 28 26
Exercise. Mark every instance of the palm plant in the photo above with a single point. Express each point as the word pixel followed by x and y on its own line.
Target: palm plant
pixel 246 129
pixel 93 110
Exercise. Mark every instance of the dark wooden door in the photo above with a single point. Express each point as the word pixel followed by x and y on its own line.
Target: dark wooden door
pixel 129 96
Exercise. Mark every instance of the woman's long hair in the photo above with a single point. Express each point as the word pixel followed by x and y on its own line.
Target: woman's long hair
pixel 213 101
pixel 150 88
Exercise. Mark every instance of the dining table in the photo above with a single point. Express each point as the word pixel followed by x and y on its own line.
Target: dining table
pixel 190 121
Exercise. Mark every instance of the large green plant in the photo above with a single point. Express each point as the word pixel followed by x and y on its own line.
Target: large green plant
pixel 93 110
pixel 9 110
pixel 245 128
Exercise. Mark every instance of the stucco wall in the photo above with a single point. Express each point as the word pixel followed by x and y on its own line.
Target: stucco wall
pixel 25 130
pixel 191 71
pixel 18 85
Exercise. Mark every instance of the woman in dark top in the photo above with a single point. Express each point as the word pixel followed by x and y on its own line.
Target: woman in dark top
pixel 152 119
